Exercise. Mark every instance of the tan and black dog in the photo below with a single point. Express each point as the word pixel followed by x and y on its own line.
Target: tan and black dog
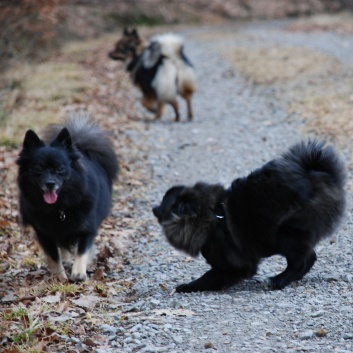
pixel 159 68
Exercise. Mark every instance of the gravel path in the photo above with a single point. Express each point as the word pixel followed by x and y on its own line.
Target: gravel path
pixel 237 128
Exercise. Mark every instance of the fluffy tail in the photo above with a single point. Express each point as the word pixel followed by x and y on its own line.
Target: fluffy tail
pixel 90 139
pixel 312 159
pixel 170 46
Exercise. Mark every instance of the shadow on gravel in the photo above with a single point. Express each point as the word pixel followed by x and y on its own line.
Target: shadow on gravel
pixel 258 284
pixel 163 121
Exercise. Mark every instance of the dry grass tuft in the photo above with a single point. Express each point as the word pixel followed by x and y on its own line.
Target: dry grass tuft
pixel 38 96
pixel 278 64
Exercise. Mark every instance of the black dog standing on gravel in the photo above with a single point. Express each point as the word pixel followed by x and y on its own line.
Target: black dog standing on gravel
pixel 65 186
pixel 286 207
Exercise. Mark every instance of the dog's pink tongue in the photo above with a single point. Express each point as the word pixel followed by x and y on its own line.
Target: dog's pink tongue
pixel 50 197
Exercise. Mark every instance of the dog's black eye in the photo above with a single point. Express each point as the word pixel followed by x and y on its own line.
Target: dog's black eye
pixel 60 169
pixel 38 169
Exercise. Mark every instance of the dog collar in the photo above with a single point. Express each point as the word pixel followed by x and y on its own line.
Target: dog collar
pixel 62 215
pixel 219 211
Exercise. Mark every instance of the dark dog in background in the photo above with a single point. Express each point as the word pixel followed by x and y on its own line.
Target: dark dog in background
pixel 65 184
pixel 159 68
pixel 286 207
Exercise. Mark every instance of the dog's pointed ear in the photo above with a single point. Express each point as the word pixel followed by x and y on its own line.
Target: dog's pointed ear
pixel 134 33
pixel 189 209
pixel 32 140
pixel 63 139
pixel 126 31
pixel 151 55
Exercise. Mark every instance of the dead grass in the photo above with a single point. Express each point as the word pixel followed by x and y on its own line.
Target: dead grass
pixel 340 23
pixel 80 48
pixel 39 96
pixel 278 64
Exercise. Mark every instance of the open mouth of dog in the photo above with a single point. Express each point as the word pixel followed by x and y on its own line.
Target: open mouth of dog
pixel 50 194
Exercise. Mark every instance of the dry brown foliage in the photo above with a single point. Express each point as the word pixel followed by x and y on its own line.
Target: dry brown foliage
pixel 39 313
pixel 28 26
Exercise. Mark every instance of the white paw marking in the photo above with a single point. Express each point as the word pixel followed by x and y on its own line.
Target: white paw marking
pixel 79 267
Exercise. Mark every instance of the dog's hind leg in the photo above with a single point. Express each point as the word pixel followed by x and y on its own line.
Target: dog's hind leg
pixel 53 256
pixel 189 108
pixel 56 268
pixel 175 106
pixel 297 246
pixel 66 256
pixel 187 95
pixel 297 266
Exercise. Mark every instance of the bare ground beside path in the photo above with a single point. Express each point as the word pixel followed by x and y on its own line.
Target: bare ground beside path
pixel 249 108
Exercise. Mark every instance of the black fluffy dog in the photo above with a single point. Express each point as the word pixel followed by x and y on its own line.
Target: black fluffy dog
pixel 65 186
pixel 286 207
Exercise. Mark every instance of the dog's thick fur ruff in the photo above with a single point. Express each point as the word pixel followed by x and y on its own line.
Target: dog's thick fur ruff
pixel 65 184
pixel 286 207
pixel 159 68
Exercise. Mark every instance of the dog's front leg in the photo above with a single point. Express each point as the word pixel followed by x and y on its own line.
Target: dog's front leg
pixel 211 280
pixel 56 268
pixel 82 258
pixel 160 110
pixel 53 256
pixel 79 268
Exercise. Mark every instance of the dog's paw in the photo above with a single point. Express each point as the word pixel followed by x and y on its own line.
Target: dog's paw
pixel 78 277
pixel 78 272
pixel 267 282
pixel 274 283
pixel 185 288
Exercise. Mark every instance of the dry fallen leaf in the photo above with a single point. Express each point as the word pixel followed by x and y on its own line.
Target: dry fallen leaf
pixel 209 345
pixel 321 332
pixel 98 274
pixel 165 288
pixel 51 299
pixel 87 302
